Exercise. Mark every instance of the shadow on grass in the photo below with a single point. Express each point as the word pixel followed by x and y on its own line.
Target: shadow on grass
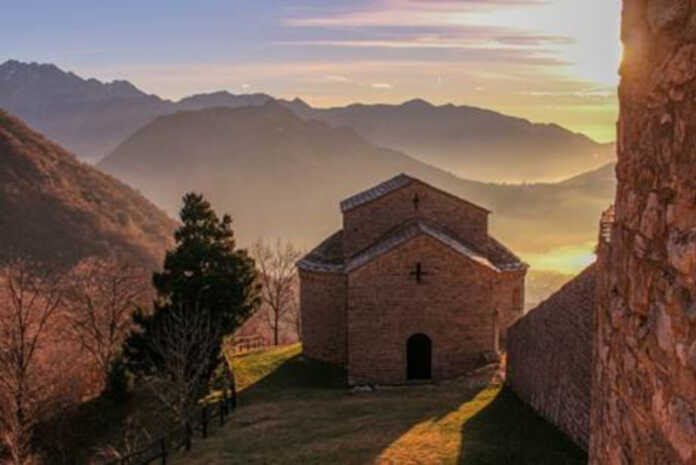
pixel 302 412
pixel 508 432
pixel 295 374
pixel 293 410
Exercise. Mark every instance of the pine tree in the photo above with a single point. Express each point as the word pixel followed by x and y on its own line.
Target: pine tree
pixel 204 273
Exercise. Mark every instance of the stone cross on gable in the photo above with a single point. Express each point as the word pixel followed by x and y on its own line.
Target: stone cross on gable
pixel 419 273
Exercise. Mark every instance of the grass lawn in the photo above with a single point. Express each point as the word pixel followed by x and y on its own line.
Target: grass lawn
pixel 292 411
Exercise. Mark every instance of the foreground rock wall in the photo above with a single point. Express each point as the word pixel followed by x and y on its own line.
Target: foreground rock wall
pixel 644 387
pixel 550 357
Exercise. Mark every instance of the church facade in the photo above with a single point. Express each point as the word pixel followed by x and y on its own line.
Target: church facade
pixel 412 288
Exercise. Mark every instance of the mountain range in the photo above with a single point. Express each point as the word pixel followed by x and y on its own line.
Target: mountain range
pixel 57 209
pixel 92 118
pixel 280 175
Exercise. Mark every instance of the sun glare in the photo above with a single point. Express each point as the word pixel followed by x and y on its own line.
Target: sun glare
pixel 592 50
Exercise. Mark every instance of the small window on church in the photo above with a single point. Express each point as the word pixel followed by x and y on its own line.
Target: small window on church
pixel 416 201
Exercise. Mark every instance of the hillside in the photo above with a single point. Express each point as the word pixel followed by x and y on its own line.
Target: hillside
pixel 470 142
pixel 279 175
pixel 92 118
pixel 55 208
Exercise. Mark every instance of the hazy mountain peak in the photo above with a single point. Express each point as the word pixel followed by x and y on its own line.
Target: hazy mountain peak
pixel 25 84
pixel 295 170
pixel 418 103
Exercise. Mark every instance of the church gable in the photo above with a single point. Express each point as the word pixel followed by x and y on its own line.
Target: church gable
pixel 371 214
pixel 407 233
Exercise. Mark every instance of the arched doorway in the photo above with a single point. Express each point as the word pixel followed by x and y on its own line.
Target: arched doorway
pixel 418 357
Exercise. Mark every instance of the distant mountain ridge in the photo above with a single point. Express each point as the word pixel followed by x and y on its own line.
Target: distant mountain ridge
pixel 282 176
pixel 92 118
pixel 471 142
pixel 87 116
pixel 56 209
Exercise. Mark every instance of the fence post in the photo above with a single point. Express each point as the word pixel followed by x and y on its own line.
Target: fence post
pixel 163 449
pixel 225 401
pixel 188 433
pixel 221 407
pixel 204 421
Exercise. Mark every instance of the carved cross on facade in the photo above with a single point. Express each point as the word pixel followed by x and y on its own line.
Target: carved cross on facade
pixel 419 273
pixel 416 201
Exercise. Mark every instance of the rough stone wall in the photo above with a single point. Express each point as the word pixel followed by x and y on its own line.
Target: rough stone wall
pixel 452 306
pixel 644 389
pixel 367 223
pixel 549 352
pixel 323 297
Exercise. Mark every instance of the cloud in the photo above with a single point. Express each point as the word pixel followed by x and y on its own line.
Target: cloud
pixel 337 78
pixel 417 13
pixel 381 85
pixel 594 94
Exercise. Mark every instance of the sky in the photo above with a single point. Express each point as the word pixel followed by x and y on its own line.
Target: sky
pixel 544 60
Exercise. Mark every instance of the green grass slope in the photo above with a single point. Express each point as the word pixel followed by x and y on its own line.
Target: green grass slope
pixel 293 411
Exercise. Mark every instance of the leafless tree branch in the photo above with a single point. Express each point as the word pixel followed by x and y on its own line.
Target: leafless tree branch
pixel 101 296
pixel 278 276
pixel 30 296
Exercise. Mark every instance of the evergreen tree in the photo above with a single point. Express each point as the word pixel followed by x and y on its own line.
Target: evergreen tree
pixel 204 273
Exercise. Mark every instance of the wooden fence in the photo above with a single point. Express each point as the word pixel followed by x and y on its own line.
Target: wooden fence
pixel 243 344
pixel 206 420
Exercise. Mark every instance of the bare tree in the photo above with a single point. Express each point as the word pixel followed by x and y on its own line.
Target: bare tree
pixel 30 297
pixel 181 349
pixel 294 319
pixel 278 276
pixel 101 297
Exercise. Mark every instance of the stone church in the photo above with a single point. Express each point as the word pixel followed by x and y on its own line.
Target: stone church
pixel 412 288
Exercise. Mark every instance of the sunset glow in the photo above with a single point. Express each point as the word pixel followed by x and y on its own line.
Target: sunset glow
pixel 545 60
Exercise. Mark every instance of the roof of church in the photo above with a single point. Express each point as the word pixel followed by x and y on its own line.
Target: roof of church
pixel 380 190
pixel 328 256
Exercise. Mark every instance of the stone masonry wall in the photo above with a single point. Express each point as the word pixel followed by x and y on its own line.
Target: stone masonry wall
pixel 508 300
pixel 452 306
pixel 367 223
pixel 550 357
pixel 644 386
pixel 323 297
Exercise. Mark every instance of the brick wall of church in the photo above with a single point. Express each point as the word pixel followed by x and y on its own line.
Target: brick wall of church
pixel 508 300
pixel 323 297
pixel 453 307
pixel 644 391
pixel 365 224
pixel 549 361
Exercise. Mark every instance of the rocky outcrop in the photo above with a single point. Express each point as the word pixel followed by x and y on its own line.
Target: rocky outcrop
pixel 644 386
